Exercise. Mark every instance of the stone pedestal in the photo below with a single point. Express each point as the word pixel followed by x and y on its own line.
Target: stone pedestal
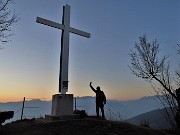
pixel 62 105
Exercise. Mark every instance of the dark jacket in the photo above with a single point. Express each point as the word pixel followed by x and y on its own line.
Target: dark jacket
pixel 100 96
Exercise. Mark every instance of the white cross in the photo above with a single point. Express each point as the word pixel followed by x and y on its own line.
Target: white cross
pixel 64 58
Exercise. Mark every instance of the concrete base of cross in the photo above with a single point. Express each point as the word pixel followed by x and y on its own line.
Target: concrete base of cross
pixel 62 108
pixel 62 105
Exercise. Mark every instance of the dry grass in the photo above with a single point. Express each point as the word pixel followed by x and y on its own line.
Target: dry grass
pixel 88 126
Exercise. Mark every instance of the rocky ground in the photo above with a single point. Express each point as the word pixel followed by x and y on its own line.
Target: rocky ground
pixel 85 126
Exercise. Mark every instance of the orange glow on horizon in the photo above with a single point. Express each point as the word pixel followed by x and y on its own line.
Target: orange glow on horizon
pixel 4 99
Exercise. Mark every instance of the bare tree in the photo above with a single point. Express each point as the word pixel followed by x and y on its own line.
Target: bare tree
pixel 170 106
pixel 7 19
pixel 147 64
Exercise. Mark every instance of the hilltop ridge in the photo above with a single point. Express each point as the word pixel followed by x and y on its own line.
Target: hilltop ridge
pixel 88 126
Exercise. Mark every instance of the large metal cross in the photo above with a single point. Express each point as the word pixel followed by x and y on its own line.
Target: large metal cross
pixel 64 57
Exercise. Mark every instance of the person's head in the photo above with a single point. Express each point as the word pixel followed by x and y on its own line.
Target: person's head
pixel 98 88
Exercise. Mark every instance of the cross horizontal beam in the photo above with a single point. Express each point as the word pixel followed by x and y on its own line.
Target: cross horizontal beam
pixel 49 23
pixel 62 27
pixel 79 32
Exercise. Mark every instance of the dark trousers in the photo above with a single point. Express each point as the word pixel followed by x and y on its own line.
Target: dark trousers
pixel 101 106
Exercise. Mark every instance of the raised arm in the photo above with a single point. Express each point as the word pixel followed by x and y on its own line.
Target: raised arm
pixel 92 87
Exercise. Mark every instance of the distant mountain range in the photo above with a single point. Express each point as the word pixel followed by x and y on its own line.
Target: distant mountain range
pixel 156 119
pixel 114 109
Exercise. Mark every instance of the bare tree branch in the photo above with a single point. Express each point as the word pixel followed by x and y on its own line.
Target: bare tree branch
pixel 147 64
pixel 7 19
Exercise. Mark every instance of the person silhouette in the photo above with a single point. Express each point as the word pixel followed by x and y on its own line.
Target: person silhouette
pixel 100 100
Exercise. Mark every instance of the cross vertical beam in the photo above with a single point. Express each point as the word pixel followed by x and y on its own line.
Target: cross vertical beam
pixel 64 58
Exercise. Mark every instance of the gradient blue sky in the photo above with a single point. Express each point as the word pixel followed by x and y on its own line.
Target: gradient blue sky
pixel 29 65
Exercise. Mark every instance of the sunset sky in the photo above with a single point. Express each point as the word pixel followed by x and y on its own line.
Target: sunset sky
pixel 29 64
